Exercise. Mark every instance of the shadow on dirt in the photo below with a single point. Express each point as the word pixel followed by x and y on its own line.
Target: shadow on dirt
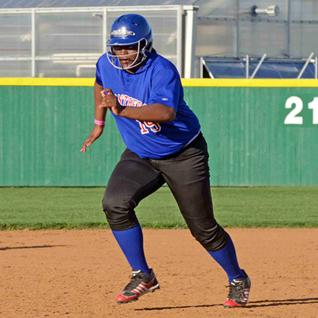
pixel 282 302
pixel 251 304
pixel 25 247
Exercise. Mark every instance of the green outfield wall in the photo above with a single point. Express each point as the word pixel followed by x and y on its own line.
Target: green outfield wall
pixel 259 132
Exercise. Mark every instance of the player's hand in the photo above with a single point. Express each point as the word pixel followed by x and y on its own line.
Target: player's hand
pixel 95 134
pixel 109 100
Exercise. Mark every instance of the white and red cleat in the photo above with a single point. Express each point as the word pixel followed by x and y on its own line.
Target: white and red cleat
pixel 140 284
pixel 238 293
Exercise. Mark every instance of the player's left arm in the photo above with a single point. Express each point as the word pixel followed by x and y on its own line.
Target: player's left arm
pixel 155 112
pixel 162 104
pixel 152 112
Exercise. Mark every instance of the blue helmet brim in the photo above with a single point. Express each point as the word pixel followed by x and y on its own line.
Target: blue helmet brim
pixel 120 41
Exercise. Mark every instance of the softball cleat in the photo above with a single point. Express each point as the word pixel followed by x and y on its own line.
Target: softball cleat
pixel 140 284
pixel 238 293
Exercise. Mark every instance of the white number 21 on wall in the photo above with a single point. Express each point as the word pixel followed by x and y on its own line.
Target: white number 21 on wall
pixel 296 105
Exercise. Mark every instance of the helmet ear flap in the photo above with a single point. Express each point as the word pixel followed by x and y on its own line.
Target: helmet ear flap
pixel 145 46
pixel 149 46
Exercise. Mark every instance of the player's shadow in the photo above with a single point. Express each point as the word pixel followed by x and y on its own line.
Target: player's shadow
pixel 5 248
pixel 282 302
pixel 251 304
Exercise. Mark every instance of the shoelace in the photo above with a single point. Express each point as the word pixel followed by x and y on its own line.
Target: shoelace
pixel 135 280
pixel 235 289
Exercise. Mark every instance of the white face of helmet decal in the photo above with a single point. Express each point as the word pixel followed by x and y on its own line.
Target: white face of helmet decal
pixel 122 32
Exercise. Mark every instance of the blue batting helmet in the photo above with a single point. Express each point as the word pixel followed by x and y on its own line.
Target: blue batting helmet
pixel 130 29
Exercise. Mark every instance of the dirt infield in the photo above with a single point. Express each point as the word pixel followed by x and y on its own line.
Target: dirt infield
pixel 78 273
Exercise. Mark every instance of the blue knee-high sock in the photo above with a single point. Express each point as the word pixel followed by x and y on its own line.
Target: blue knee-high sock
pixel 131 243
pixel 226 257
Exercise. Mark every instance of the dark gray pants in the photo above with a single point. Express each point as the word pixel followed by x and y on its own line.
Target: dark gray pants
pixel 187 175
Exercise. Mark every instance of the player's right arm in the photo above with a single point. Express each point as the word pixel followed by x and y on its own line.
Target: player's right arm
pixel 100 114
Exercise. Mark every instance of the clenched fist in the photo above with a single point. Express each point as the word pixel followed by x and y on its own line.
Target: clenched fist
pixel 109 100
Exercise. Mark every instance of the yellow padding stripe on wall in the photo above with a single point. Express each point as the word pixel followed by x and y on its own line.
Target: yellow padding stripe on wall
pixel 30 81
pixel 206 82
pixel 193 82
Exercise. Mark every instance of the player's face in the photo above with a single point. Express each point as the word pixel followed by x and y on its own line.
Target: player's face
pixel 127 55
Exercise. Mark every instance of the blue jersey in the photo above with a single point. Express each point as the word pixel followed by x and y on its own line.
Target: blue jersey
pixel 157 81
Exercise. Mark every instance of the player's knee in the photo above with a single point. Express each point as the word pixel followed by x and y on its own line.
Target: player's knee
pixel 110 204
pixel 114 207
pixel 211 238
pixel 119 213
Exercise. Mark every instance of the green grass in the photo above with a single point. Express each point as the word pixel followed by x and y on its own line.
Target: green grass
pixel 38 208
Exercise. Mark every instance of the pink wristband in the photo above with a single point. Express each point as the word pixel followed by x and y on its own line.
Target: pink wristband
pixel 99 122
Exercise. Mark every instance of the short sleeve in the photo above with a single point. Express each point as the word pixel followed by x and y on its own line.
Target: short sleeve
pixel 98 75
pixel 166 87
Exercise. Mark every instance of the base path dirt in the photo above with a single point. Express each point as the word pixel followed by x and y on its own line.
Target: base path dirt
pixel 78 274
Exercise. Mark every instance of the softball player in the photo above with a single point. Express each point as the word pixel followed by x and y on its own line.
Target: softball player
pixel 164 143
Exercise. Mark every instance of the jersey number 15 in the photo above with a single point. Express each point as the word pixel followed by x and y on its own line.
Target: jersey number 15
pixel 146 126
